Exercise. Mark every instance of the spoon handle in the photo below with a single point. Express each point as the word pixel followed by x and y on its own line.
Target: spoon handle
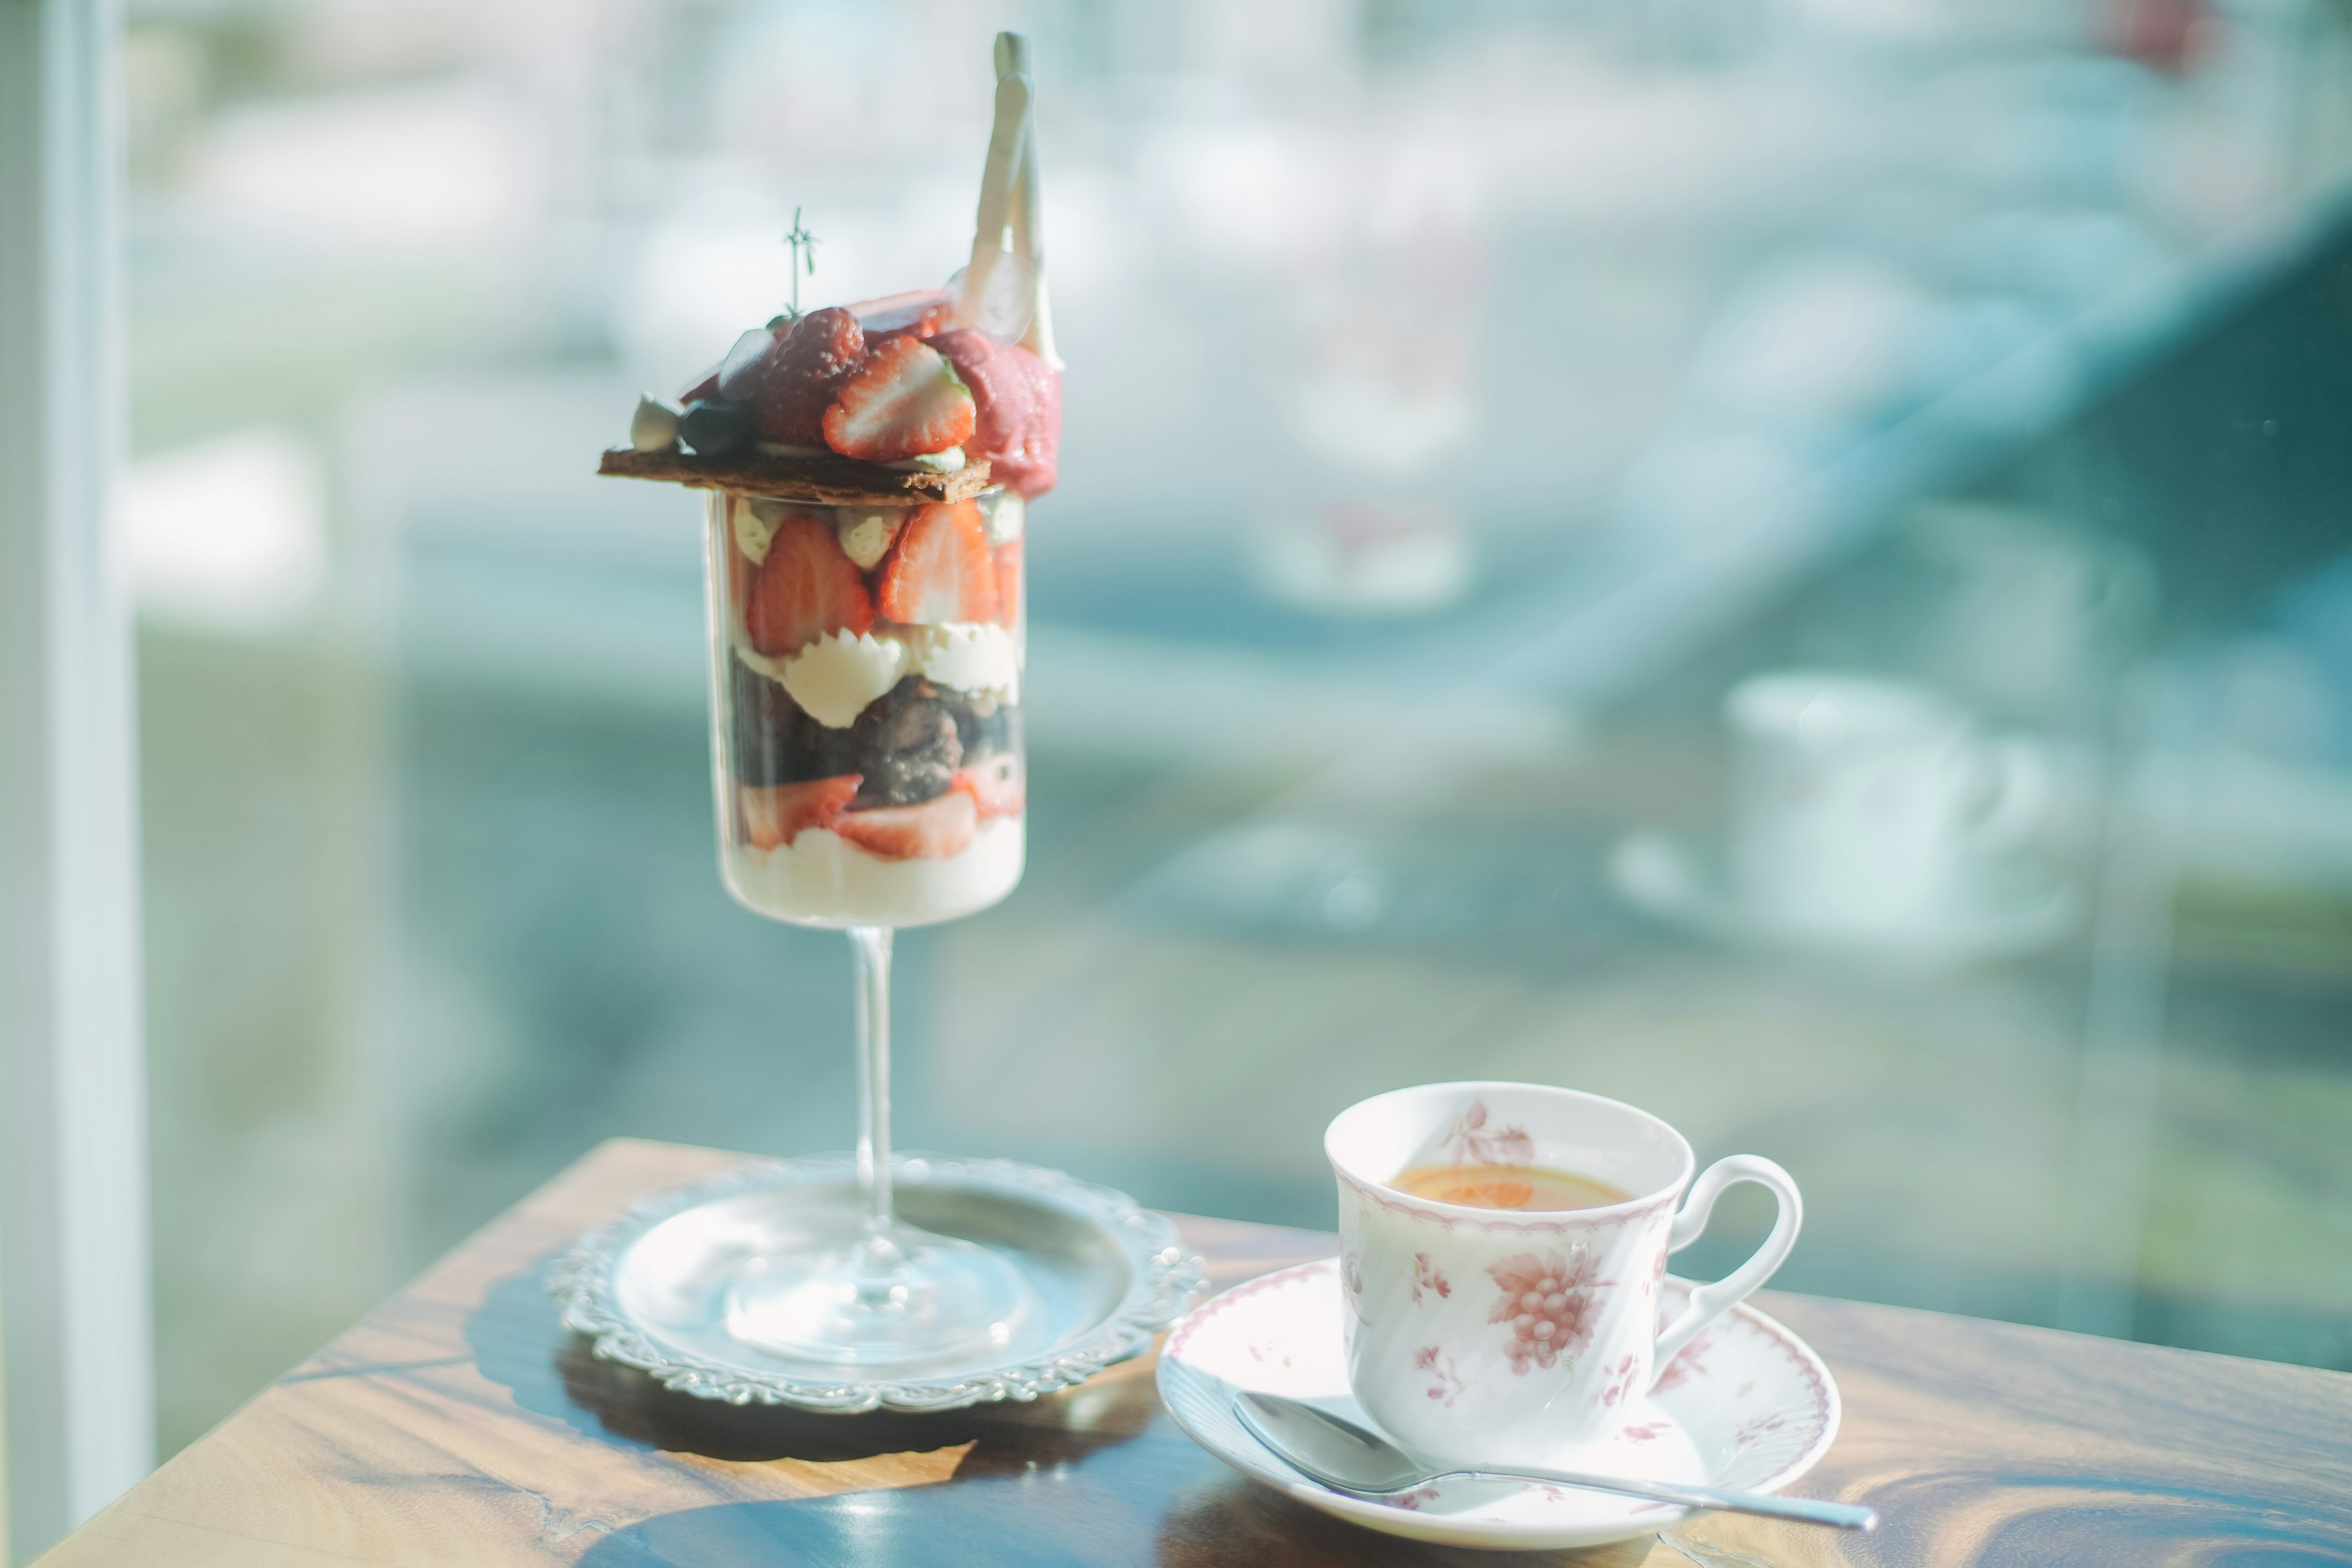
pixel 1805 1510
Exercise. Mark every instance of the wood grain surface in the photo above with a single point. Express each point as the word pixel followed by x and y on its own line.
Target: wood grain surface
pixel 458 1423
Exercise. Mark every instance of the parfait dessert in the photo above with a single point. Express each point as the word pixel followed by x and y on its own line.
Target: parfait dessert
pixel 868 470
pixel 869 760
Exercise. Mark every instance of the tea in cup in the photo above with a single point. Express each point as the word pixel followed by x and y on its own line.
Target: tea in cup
pixel 1501 1249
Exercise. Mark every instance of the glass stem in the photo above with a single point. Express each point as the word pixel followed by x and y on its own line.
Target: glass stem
pixel 872 946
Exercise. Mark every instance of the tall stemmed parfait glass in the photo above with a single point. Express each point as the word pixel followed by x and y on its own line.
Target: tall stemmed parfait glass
pixel 869 781
pixel 866 634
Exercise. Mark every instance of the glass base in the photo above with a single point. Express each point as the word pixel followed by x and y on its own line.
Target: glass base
pixel 892 1299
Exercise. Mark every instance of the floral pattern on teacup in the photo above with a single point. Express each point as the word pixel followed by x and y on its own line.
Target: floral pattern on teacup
pixel 1620 1378
pixel 1427 1276
pixel 1551 1300
pixel 1446 1383
pixel 1471 1145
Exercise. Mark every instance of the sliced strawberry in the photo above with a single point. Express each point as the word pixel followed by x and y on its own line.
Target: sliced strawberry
pixel 778 813
pixel 939 568
pixel 1017 422
pixel 916 313
pixel 933 830
pixel 906 402
pixel 798 379
pixel 995 784
pixel 806 589
pixel 1007 557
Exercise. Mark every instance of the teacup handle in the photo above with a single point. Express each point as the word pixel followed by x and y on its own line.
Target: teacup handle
pixel 1708 1302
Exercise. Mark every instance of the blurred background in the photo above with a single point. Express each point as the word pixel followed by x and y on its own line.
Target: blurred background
pixel 1465 395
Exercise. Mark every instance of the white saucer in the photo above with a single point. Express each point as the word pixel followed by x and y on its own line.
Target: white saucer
pixel 1748 1405
pixel 2012 908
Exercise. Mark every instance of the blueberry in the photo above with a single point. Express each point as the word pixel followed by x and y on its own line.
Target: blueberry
pixel 716 430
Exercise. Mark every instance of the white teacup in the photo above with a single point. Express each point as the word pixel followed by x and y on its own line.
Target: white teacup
pixel 1862 803
pixel 1484 1335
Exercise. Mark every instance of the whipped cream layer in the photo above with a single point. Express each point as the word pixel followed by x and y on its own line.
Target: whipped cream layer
pixel 820 878
pixel 835 677
pixel 968 656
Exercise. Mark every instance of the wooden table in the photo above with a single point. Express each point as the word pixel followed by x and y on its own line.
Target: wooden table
pixel 458 1424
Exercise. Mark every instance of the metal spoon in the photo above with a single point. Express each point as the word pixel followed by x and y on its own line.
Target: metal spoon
pixel 1347 1459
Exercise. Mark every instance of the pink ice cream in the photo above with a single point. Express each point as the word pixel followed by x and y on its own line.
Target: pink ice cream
pixel 1019 403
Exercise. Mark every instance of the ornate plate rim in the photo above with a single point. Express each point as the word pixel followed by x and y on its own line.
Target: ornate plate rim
pixel 1167 1277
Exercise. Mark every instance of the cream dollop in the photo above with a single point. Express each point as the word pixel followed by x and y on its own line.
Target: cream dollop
pixel 756 522
pixel 835 677
pixel 951 462
pixel 753 659
pixel 970 656
pixel 654 427
pixel 866 536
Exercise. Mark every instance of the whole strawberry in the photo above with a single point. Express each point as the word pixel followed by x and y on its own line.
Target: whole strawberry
pixel 800 375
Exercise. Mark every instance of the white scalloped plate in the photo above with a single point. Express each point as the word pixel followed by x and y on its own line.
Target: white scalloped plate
pixel 649 1286
pixel 1748 1405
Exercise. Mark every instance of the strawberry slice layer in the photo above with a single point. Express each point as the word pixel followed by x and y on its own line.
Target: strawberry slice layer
pixel 934 830
pixel 806 589
pixel 939 568
pixel 905 403
pixel 995 784
pixel 778 813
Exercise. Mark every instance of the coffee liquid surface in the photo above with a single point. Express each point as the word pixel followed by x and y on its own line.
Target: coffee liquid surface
pixel 1508 1187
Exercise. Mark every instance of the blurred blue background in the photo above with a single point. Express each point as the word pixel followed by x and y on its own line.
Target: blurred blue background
pixel 1462 398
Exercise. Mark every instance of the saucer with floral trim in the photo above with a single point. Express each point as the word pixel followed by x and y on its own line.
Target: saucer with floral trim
pixel 1746 1405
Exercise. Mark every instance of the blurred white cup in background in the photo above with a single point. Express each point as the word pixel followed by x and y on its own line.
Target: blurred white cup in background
pixel 1862 805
